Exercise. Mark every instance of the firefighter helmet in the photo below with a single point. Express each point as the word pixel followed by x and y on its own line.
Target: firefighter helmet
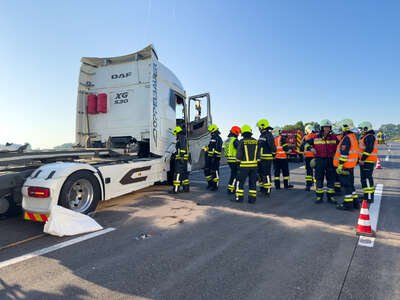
pixel 246 128
pixel 309 129
pixel 365 126
pixel 176 130
pixel 212 128
pixel 235 130
pixel 263 124
pixel 325 123
pixel 347 125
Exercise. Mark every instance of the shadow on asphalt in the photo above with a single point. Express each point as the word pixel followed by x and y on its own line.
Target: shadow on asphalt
pixel 15 291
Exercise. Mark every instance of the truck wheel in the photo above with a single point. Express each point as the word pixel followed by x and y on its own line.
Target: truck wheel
pixel 81 192
pixel 6 205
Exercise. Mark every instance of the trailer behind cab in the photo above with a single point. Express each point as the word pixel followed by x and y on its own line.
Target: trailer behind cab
pixel 126 108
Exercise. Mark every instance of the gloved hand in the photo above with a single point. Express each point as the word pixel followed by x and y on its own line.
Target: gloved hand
pixel 313 163
pixel 339 170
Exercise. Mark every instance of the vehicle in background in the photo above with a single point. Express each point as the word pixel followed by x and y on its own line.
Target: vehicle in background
pixel 293 139
pixel 126 109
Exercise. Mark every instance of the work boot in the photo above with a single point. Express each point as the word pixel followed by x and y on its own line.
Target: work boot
pixel 356 202
pixel 331 200
pixel 262 190
pixel 186 188
pixel 318 200
pixel 173 191
pixel 343 206
pixel 338 191
pixel 308 188
pixel 287 185
pixel 209 184
pixel 239 199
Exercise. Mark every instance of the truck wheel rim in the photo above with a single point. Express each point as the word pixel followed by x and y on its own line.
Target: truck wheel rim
pixel 80 195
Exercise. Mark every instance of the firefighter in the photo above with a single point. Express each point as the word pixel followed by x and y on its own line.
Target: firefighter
pixel 247 156
pixel 214 149
pixel 281 162
pixel 267 148
pixel 345 160
pixel 338 186
pixel 230 150
pixel 379 136
pixel 305 147
pixel 324 148
pixel 181 174
pixel 368 156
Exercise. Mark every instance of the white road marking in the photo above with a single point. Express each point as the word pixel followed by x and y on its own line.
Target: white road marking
pixel 55 247
pixel 374 216
pixel 197 181
pixel 366 241
pixel 387 158
pixel 375 207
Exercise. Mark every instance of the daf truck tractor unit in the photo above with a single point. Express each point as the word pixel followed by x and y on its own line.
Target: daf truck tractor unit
pixel 126 109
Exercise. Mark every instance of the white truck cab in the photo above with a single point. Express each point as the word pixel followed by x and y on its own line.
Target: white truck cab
pixel 129 106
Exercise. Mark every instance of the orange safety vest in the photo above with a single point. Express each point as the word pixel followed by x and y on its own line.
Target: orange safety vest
pixel 373 156
pixel 309 153
pixel 352 158
pixel 280 153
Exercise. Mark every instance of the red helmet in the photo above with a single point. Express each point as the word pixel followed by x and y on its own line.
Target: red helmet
pixel 235 130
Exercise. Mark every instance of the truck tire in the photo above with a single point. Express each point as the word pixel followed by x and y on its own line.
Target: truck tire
pixel 7 205
pixel 80 192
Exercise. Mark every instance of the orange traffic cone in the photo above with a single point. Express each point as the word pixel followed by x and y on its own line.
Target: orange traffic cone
pixel 378 164
pixel 364 223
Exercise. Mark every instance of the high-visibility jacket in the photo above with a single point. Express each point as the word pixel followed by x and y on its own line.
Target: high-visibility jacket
pixel 280 153
pixel 369 157
pixel 347 153
pixel 267 145
pixel 230 151
pixel 307 148
pixel 215 145
pixel 248 152
pixel 182 147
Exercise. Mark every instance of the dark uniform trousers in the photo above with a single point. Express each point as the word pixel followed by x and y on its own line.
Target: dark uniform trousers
pixel 264 171
pixel 324 169
pixel 309 172
pixel 234 166
pixel 347 182
pixel 213 179
pixel 367 181
pixel 181 175
pixel 251 173
pixel 281 164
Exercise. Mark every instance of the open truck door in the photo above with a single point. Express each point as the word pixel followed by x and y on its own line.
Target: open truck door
pixel 199 117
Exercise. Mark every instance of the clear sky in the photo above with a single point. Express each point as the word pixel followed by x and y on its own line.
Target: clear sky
pixel 281 60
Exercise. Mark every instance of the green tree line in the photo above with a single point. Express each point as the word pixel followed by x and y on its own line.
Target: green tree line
pixel 391 131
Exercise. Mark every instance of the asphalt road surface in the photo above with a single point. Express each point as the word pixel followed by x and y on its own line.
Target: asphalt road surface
pixel 202 246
